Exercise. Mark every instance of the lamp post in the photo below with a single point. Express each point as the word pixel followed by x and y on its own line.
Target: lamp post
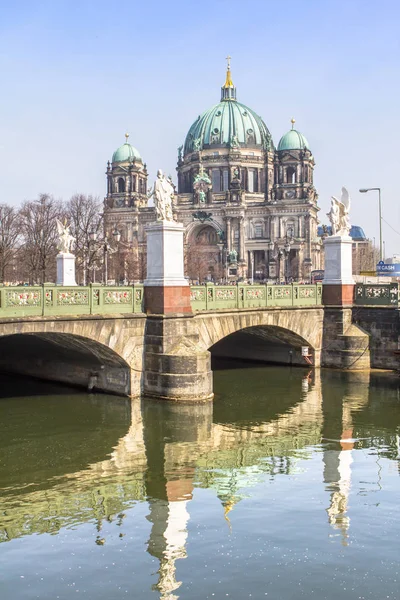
pixel 92 238
pixel 377 189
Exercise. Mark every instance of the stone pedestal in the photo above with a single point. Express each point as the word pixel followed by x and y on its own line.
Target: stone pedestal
pixel 66 269
pixel 166 289
pixel 338 283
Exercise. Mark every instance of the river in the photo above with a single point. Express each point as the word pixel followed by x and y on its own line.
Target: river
pixel 285 487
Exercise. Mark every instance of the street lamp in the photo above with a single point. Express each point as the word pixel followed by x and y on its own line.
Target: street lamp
pixel 92 238
pixel 377 189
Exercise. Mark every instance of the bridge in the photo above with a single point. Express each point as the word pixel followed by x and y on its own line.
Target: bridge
pixel 102 338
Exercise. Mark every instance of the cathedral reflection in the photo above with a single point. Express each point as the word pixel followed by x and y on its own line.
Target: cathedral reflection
pixel 168 451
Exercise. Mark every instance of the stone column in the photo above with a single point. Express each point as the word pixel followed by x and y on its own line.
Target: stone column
pixel 241 238
pixel 228 233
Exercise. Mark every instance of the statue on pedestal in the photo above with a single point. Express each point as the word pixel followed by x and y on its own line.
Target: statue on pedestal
pixel 163 193
pixel 65 239
pixel 339 214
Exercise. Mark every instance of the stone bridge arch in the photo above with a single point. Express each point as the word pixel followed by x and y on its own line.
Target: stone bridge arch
pixel 102 353
pixel 294 326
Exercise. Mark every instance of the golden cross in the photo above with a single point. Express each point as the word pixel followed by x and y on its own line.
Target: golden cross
pixel 228 58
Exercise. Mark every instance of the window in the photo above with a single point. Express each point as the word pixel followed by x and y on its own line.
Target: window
pixel 216 180
pixel 225 180
pixel 250 183
pixel 215 154
pixel 258 233
pixel 291 175
pixel 121 185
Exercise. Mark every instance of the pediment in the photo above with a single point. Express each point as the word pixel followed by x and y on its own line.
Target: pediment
pixel 289 157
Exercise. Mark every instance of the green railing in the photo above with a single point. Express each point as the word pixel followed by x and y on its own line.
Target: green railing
pixel 49 300
pixel 214 297
pixel 377 294
pixel 95 299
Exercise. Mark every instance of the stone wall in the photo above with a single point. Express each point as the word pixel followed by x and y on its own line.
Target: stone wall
pixel 383 326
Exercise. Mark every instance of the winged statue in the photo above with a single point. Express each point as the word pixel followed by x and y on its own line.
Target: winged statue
pixel 65 238
pixel 339 214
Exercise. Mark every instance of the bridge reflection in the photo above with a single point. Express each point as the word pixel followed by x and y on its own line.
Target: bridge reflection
pixel 161 453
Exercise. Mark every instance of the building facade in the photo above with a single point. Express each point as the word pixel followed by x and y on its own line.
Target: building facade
pixel 249 208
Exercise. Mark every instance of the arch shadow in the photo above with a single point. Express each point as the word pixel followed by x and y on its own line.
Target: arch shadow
pixel 268 344
pixel 65 358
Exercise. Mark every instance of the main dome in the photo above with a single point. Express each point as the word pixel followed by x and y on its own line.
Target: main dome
pixel 228 124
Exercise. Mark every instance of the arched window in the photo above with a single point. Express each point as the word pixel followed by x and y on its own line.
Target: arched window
pixel 291 175
pixel 121 185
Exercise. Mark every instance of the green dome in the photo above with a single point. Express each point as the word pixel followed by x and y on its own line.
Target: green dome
pixel 228 124
pixel 293 140
pixel 126 153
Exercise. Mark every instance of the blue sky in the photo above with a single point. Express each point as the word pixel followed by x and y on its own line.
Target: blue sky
pixel 75 75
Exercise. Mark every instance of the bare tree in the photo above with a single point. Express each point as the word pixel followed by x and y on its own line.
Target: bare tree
pixel 39 231
pixel 83 213
pixel 9 238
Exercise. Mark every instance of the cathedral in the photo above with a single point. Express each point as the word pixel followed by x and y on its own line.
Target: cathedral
pixel 249 207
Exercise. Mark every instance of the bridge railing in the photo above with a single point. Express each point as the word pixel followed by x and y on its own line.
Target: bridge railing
pixel 52 300
pixel 377 294
pixel 214 297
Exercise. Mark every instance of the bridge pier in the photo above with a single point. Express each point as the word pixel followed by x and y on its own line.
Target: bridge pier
pixel 175 366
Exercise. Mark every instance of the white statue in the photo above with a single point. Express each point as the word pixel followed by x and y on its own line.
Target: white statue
pixel 339 214
pixel 163 193
pixel 65 238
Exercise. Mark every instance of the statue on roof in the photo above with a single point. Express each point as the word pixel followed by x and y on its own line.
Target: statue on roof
pixel 201 186
pixel 234 141
pixel 339 214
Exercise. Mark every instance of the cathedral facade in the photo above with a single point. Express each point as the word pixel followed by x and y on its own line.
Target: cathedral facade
pixel 249 207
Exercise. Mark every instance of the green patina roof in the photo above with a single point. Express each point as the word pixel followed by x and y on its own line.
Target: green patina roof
pixel 126 153
pixel 293 140
pixel 217 126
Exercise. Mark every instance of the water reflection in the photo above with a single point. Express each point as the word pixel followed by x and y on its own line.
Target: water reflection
pixel 75 459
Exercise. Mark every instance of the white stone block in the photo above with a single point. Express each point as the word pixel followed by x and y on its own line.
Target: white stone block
pixel 338 260
pixel 165 254
pixel 66 269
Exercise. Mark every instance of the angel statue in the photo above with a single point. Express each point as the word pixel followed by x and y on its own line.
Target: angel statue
pixel 339 214
pixel 65 239
pixel 163 193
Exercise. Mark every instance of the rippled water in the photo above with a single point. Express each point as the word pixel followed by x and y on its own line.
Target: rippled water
pixel 285 487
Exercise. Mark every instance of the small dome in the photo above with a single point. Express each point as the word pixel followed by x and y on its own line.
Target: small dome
pixel 293 140
pixel 126 153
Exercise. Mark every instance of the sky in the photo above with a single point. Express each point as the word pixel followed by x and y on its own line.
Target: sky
pixel 77 74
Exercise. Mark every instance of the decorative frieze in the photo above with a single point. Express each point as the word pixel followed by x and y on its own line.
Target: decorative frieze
pixel 72 297
pixel 117 297
pixel 17 298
